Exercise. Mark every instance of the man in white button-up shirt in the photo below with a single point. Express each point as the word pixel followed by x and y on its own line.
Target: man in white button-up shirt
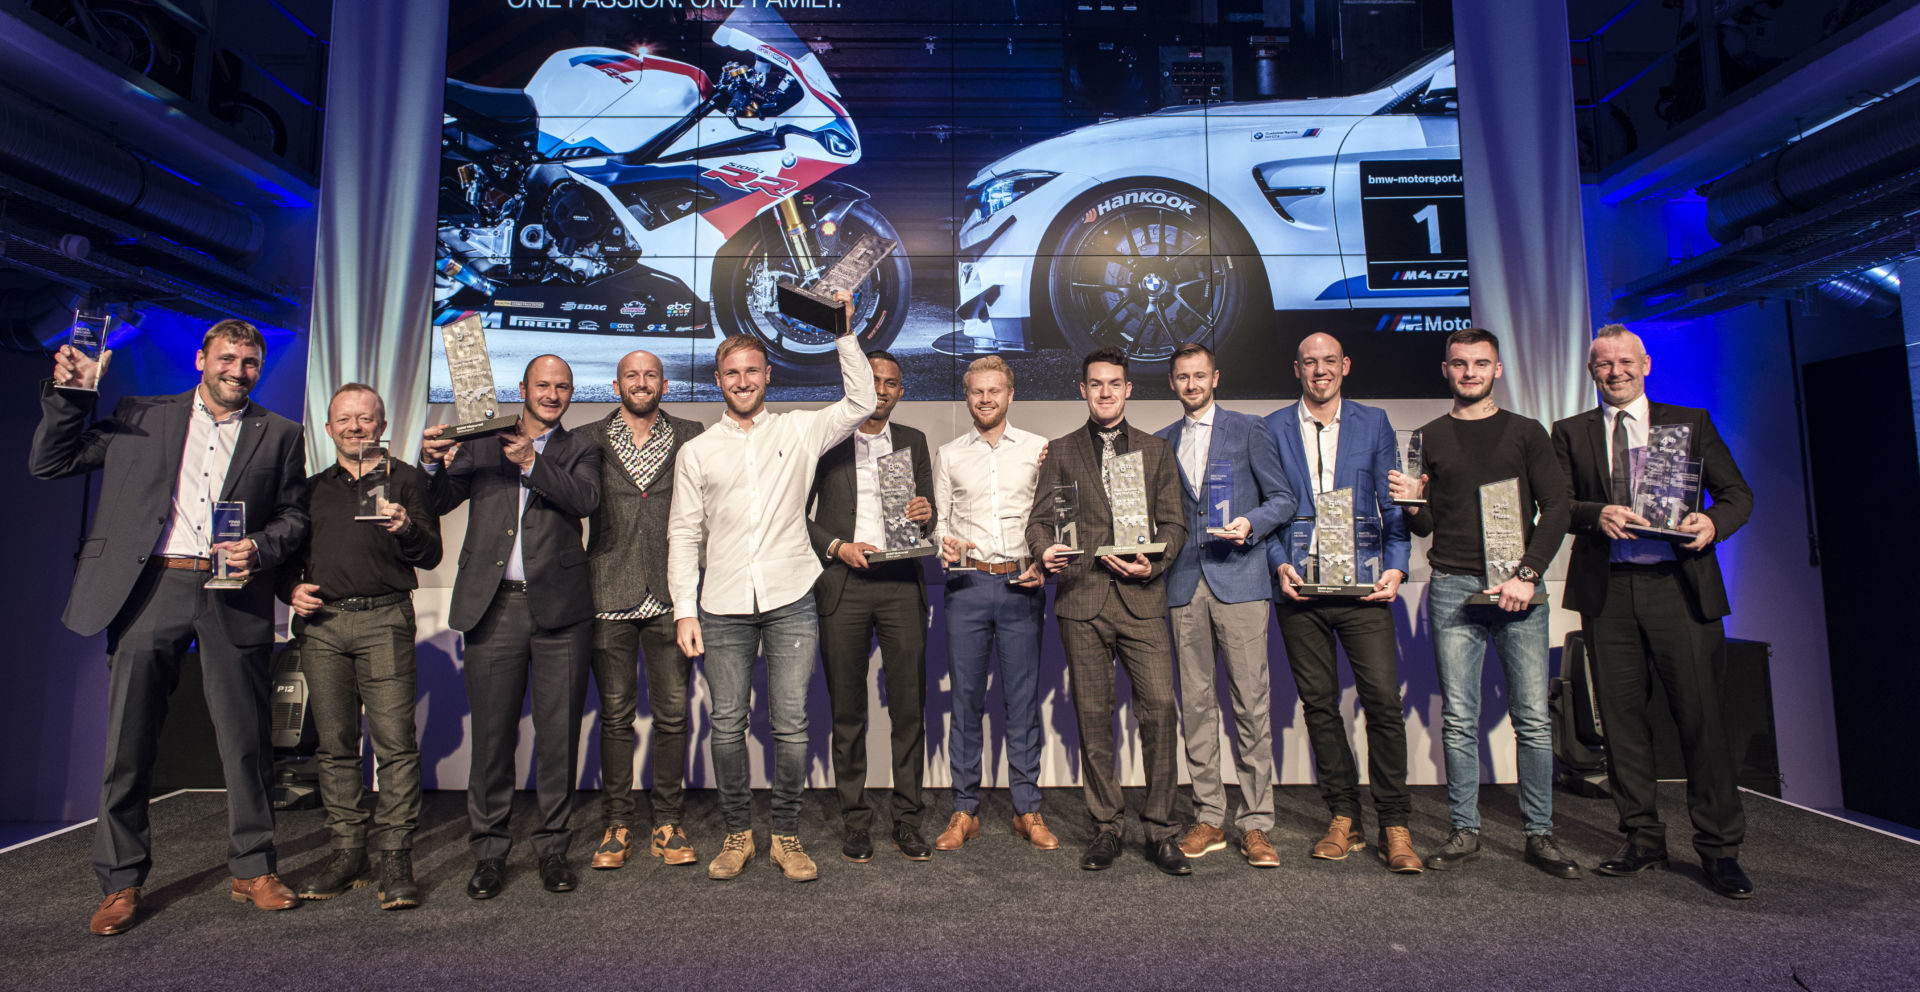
pixel 739 510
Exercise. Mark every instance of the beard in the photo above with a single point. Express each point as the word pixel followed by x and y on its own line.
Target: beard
pixel 1459 393
pixel 640 408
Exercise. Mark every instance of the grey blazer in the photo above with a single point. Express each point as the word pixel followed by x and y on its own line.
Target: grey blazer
pixel 627 545
pixel 1084 585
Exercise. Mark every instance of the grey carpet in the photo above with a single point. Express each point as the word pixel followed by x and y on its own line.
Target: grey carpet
pixel 1835 910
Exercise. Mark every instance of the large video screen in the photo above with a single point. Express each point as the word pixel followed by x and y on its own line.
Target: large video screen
pixel 1060 176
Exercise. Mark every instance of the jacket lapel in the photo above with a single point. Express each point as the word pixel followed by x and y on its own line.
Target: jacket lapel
pixel 1293 457
pixel 253 427
pixel 619 462
pixel 1346 452
pixel 173 434
pixel 1597 437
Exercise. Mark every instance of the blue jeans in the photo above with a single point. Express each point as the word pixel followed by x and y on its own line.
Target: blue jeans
pixel 984 612
pixel 787 636
pixel 1460 633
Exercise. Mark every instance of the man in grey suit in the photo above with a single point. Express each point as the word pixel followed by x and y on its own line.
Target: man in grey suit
pixel 141 577
pixel 1115 606
pixel 860 602
pixel 627 563
pixel 523 601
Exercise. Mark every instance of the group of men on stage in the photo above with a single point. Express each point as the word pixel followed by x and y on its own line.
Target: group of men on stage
pixel 753 539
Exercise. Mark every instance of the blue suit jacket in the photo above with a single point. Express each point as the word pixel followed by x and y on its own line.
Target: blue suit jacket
pixel 1235 573
pixel 1362 461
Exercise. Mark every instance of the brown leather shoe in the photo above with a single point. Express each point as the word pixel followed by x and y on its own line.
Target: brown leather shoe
pixel 1341 840
pixel 1259 850
pixel 961 827
pixel 1034 828
pixel 671 846
pixel 264 891
pixel 1202 839
pixel 614 847
pixel 116 913
pixel 1396 849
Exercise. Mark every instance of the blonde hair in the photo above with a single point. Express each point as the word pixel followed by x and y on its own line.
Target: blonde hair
pixel 738 342
pixel 990 363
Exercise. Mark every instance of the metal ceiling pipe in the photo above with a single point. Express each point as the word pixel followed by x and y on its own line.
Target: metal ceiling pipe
pixel 1875 144
pixel 74 161
pixel 1869 291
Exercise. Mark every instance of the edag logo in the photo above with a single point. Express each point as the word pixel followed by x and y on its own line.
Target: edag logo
pixel 1151 197
pixel 633 308
pixel 570 305
pixel 1422 322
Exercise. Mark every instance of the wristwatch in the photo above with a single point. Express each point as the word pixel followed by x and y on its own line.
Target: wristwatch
pixel 1526 574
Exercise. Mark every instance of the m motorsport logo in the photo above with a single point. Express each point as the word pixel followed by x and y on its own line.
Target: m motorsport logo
pixel 1437 323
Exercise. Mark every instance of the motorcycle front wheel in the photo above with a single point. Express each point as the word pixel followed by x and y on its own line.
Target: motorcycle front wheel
pixel 756 261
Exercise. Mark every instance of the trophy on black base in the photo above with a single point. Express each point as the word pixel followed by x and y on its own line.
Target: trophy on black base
pixel 1408 460
pixel 370 485
pixel 1066 511
pixel 1502 539
pixel 903 536
pixel 1336 553
pixel 1219 497
pixel 815 304
pixel 1126 480
pixel 229 524
pixel 88 339
pixel 475 402
pixel 1666 483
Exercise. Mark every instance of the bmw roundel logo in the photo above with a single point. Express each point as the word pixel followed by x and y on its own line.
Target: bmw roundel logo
pixel 1153 284
pixel 787 160
pixel 1257 135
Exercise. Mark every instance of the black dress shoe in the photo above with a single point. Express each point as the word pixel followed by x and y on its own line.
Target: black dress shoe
pixel 1544 854
pixel 1100 853
pixel 1630 860
pixel 489 877
pixel 1462 845
pixel 858 847
pixel 556 875
pixel 1167 856
pixel 1727 878
pixel 907 839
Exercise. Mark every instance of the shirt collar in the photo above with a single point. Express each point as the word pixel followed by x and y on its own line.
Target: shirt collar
pixel 1094 428
pixel 886 431
pixel 1307 419
pixel 1008 434
pixel 200 407
pixel 726 419
pixel 1638 410
pixel 1205 419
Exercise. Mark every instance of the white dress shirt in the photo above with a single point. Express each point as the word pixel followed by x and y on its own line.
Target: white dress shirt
pixel 203 476
pixel 868 525
pixel 1196 440
pixel 516 566
pixel 740 501
pixel 1321 445
pixel 983 492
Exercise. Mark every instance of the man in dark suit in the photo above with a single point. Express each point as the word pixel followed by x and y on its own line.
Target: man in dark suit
pixel 141 577
pixel 524 602
pixel 1115 606
pixel 859 602
pixel 1652 609
pixel 627 563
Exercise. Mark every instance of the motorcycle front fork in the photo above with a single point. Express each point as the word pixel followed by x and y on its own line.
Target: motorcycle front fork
pixel 796 235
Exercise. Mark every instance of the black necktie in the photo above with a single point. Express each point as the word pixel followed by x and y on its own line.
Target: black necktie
pixel 1319 454
pixel 1621 496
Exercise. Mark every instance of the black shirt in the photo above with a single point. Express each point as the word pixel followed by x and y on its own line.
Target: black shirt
pixel 1094 431
pixel 1463 455
pixel 347 557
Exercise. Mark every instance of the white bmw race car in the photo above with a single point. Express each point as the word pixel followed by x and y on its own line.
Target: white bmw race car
pixel 1149 232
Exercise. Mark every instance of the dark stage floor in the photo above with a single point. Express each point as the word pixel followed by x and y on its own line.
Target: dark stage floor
pixel 1835 910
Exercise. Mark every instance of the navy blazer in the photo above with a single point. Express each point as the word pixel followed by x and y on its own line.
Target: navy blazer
pixel 1236 573
pixel 1362 461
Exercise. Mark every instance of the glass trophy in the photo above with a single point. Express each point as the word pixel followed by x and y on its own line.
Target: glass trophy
pixel 1336 553
pixel 370 487
pixel 903 536
pixel 815 304
pixel 1126 480
pixel 229 524
pixel 1408 461
pixel 1666 482
pixel 1219 497
pixel 476 404
pixel 958 517
pixel 88 339
pixel 1502 538
pixel 1066 513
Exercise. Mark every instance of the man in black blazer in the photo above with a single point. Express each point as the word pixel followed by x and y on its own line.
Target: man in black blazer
pixel 1652 609
pixel 859 602
pixel 1115 606
pixel 141 577
pixel 627 563
pixel 523 600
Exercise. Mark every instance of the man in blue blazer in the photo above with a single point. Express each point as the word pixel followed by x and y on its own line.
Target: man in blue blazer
pixel 1328 443
pixel 1217 589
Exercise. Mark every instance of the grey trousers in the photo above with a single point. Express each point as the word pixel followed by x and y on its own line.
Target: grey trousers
pixel 1238 632
pixel 357 659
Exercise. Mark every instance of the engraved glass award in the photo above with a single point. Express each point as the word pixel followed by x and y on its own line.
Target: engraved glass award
pixel 370 488
pixel 1066 512
pixel 1219 493
pixel 1408 461
pixel 88 339
pixel 229 524
pixel 1502 538
pixel 903 536
pixel 1335 552
pixel 956 527
pixel 815 304
pixel 1126 481
pixel 476 407
pixel 1666 482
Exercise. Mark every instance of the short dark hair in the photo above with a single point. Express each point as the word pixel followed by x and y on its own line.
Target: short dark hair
pixel 1470 336
pixel 238 331
pixel 1189 350
pixel 882 355
pixel 1109 355
pixel 358 387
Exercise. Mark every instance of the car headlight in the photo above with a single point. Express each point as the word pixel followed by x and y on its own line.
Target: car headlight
pixel 1000 192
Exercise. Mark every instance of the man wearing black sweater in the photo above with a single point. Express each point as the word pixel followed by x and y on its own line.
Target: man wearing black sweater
pixel 1474 444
